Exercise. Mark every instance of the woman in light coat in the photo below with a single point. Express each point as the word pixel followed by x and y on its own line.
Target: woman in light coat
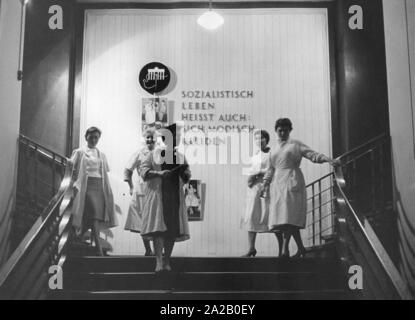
pixel 286 185
pixel 93 206
pixel 255 218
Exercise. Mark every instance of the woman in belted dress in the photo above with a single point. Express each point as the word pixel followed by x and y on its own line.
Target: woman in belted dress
pixel 134 218
pixel 255 218
pixel 93 206
pixel 286 185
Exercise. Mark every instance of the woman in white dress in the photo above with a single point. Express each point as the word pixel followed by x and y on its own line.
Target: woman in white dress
pixel 134 218
pixel 285 183
pixel 255 219
pixel 93 206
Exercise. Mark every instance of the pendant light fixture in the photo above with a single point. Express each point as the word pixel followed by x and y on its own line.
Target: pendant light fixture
pixel 210 20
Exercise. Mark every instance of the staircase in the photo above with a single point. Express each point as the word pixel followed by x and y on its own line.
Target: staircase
pixel 339 231
pixel 133 278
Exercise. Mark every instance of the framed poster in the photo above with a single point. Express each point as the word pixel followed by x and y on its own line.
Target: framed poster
pixel 193 200
pixel 154 113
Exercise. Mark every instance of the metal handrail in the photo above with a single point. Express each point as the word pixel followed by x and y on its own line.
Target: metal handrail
pixel 53 227
pixel 41 222
pixel 43 150
pixel 363 146
pixel 373 242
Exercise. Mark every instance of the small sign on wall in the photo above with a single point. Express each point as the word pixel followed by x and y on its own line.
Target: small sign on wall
pixel 154 77
pixel 194 200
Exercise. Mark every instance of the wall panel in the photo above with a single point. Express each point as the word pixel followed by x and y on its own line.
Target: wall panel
pixel 281 55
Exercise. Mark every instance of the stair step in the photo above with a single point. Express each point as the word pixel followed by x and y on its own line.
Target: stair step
pixel 202 281
pixel 147 264
pixel 192 295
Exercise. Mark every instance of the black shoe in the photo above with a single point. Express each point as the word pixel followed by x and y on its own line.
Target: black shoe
pixel 251 253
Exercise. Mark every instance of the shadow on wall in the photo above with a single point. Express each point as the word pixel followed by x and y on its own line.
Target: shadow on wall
pixel 6 218
pixel 5 227
pixel 406 240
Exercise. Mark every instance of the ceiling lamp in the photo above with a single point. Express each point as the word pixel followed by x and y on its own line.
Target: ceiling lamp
pixel 210 20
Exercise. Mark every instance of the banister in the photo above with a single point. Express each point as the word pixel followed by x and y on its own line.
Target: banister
pixel 373 242
pixel 316 213
pixel 44 151
pixel 61 199
pixel 368 143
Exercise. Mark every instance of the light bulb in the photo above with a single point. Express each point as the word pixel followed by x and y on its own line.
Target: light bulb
pixel 210 20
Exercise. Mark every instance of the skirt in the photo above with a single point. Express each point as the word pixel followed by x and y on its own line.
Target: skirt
pixel 94 203
pixel 134 221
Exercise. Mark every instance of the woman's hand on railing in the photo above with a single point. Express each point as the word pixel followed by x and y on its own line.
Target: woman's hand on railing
pixel 335 162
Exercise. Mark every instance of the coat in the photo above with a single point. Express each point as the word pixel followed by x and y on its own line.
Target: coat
pixel 134 219
pixel 164 209
pixel 80 184
pixel 288 197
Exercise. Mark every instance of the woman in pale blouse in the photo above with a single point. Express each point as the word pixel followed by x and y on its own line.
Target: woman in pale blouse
pixel 93 206
pixel 284 181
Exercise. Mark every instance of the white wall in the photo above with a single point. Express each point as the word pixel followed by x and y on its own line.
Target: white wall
pixel 399 28
pixel 280 54
pixel 10 91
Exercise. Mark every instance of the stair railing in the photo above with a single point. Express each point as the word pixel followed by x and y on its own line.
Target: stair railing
pixel 43 170
pixel 360 189
pixel 39 176
pixel 320 211
pixel 27 273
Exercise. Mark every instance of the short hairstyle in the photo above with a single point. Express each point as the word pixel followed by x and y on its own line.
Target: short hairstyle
pixel 264 134
pixel 149 131
pixel 284 123
pixel 93 130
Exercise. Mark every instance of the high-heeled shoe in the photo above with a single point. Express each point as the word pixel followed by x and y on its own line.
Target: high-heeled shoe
pixel 251 253
pixel 300 254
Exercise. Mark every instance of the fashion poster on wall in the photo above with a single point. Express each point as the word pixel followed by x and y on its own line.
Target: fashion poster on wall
pixel 193 200
pixel 154 113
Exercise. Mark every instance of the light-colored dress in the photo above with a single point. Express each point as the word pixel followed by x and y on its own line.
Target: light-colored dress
pixel 94 163
pixel 288 197
pixel 134 219
pixel 191 199
pixel 153 214
pixel 150 114
pixel 256 214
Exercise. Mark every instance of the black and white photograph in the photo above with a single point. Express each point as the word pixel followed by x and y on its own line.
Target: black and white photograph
pixel 155 113
pixel 193 200
pixel 207 151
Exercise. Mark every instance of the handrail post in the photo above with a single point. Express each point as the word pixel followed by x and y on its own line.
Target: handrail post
pixel 373 180
pixel 353 191
pixel 54 175
pixel 35 178
pixel 320 209
pixel 313 215
pixel 382 194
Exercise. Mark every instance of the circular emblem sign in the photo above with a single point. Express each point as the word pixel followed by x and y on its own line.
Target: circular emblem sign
pixel 154 77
